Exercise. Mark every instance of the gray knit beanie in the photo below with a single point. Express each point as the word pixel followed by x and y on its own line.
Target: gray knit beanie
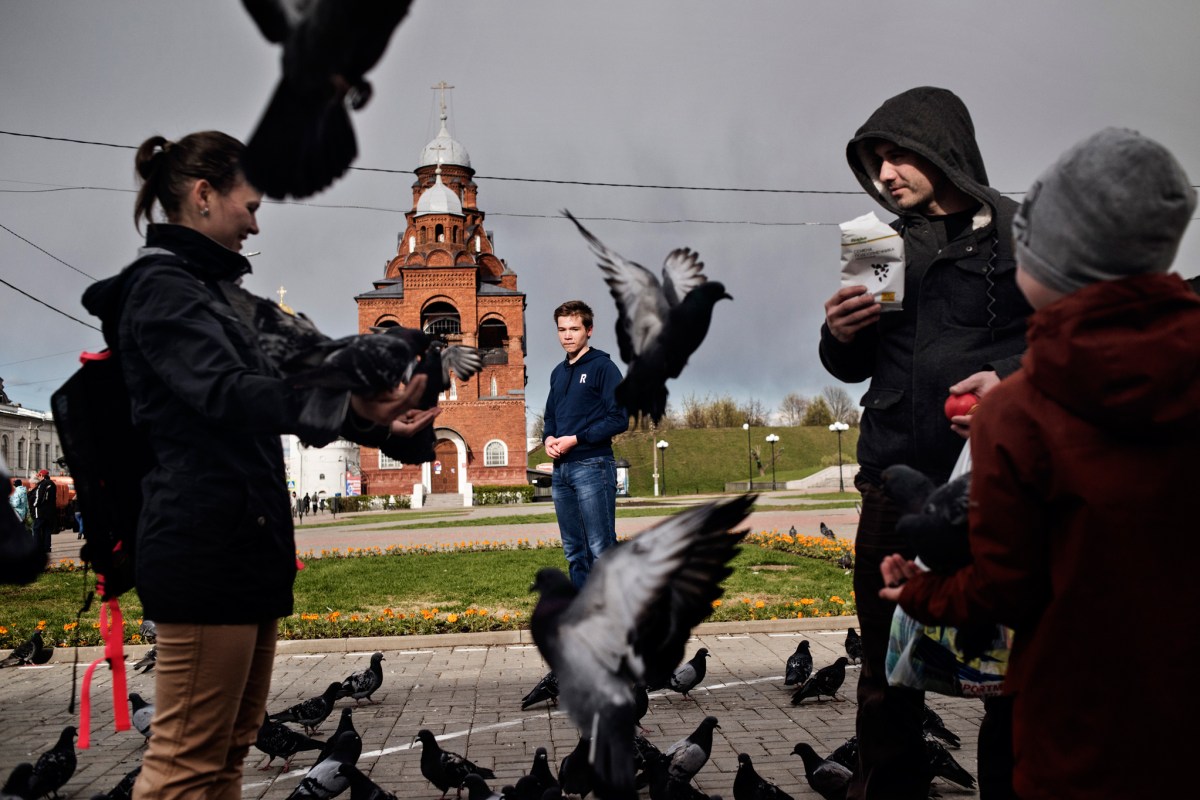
pixel 1112 206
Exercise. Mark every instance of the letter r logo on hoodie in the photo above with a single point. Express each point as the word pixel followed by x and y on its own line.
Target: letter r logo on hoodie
pixel 583 378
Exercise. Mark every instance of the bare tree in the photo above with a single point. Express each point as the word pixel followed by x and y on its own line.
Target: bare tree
pixel 842 407
pixel 755 412
pixel 538 429
pixel 791 410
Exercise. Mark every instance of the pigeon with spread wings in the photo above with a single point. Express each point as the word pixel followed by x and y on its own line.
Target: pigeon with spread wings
pixel 629 624
pixel 659 325
pixel 305 139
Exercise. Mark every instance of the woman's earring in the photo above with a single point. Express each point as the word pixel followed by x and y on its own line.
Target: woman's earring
pixel 204 211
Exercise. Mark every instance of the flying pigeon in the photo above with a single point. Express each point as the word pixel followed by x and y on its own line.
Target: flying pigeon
pixel 827 778
pixel 305 139
pixel 122 791
pixel 799 665
pixel 361 685
pixel 826 681
pixel 345 723
pixel 687 676
pixel 143 714
pixel 749 785
pixel 324 779
pixel 365 363
pixel 362 787
pixel 146 663
pixel 935 522
pixel 444 769
pixel 53 767
pixel 545 689
pixel 312 712
pixel 659 325
pixel 477 788
pixel 827 533
pixel 575 775
pixel 846 754
pixel 15 787
pixel 629 624
pixel 25 652
pixel 690 754
pixel 943 765
pixel 932 725
pixel 854 646
pixel 279 741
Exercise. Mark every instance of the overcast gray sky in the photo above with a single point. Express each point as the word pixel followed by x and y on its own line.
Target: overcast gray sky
pixel 748 94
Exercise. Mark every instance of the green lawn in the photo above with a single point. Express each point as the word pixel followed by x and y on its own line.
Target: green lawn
pixel 429 592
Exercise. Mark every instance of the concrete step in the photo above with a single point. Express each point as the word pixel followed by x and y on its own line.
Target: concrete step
pixel 443 501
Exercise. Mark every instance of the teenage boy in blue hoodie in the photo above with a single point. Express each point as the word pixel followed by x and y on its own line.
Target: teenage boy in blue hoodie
pixel 582 415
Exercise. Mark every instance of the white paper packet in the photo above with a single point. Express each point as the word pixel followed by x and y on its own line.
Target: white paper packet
pixel 873 256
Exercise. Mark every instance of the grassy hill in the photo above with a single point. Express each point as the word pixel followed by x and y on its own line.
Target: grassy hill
pixel 702 460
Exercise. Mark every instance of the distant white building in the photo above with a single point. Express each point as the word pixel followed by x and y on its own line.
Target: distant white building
pixel 28 440
pixel 330 470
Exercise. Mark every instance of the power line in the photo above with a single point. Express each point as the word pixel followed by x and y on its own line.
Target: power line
pixel 47 305
pixel 38 358
pixel 47 252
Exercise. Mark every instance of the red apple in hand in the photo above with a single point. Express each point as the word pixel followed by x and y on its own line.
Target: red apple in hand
pixel 959 405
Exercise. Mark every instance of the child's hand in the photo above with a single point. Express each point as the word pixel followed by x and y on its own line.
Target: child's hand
pixel 896 570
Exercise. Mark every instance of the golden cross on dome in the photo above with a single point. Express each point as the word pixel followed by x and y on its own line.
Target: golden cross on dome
pixel 442 86
pixel 282 292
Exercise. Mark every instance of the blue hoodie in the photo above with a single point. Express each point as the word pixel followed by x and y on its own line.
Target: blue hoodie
pixel 582 403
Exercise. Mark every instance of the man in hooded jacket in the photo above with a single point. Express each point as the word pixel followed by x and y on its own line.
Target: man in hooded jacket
pixel 961 329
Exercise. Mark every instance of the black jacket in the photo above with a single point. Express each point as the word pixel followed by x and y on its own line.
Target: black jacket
pixel 582 403
pixel 215 542
pixel 962 312
pixel 43 500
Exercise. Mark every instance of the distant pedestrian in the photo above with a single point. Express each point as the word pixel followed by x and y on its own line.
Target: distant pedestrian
pixel 19 500
pixel 45 509
pixel 334 503
pixel 307 503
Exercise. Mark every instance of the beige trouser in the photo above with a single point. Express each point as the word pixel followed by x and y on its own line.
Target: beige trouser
pixel 211 689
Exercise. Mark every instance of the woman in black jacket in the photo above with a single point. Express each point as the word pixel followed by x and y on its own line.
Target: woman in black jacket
pixel 215 546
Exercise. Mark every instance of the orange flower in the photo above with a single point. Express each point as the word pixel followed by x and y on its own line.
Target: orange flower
pixel 759 604
pixel 452 618
pixel 716 603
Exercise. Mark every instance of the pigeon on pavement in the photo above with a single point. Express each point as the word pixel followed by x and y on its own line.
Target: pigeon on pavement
pixel 749 785
pixel 362 787
pixel 827 778
pixel 687 676
pixel 16 786
pixel 691 753
pixel 25 652
pixel 846 754
pixel 345 723
pixel 444 769
pixel 854 646
pixel 53 767
pixel 123 790
pixel 825 681
pixel 932 725
pixel 659 325
pixel 361 685
pixel 305 139
pixel 312 712
pixel 146 663
pixel 545 689
pixel 279 741
pixel 143 714
pixel 477 788
pixel 541 770
pixel 324 779
pixel 799 665
pixel 664 787
pixel 575 775
pixel 943 765
pixel 629 624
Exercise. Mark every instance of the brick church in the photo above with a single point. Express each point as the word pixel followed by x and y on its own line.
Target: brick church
pixel 445 278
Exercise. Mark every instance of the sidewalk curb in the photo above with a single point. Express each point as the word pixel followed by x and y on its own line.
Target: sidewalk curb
pixel 359 644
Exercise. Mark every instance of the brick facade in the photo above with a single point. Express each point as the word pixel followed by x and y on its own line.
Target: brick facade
pixel 444 267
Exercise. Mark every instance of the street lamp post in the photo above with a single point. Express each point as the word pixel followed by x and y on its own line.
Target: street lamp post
pixel 662 446
pixel 749 456
pixel 839 427
pixel 772 438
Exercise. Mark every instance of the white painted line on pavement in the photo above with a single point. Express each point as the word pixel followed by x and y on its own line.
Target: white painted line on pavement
pixel 413 652
pixel 309 655
pixel 470 649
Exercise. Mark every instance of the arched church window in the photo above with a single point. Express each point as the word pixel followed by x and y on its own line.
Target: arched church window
pixel 439 233
pixel 495 454
pixel 492 333
pixel 441 319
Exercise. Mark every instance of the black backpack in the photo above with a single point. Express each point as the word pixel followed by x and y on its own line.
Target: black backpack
pixel 107 458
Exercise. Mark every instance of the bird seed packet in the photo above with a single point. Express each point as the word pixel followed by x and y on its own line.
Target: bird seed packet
pixel 873 256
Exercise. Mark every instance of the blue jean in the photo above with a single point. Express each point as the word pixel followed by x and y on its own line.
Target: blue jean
pixel 585 500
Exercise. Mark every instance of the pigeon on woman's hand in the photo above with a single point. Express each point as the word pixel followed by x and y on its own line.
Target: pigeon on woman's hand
pixel 659 325
pixel 629 625
pixel 305 139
